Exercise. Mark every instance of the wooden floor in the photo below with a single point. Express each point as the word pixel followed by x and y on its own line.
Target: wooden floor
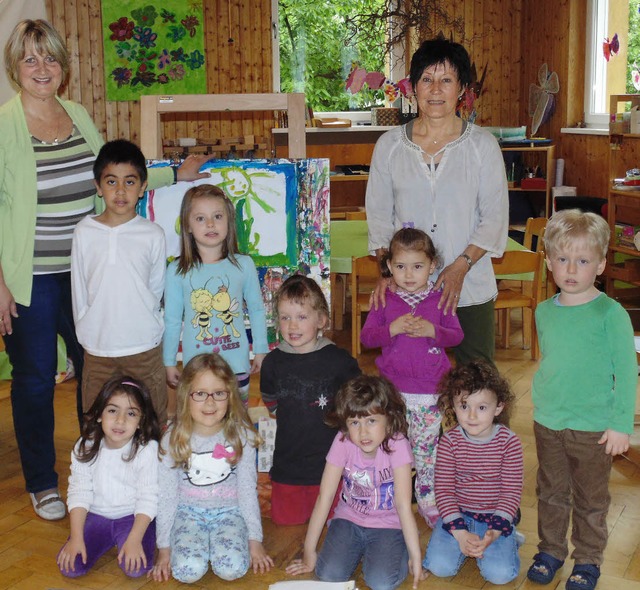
pixel 28 545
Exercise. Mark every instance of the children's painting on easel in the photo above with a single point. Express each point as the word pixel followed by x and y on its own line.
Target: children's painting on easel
pixel 282 216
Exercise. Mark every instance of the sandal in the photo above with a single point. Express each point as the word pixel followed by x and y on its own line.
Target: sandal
pixel 49 507
pixel 583 577
pixel 544 568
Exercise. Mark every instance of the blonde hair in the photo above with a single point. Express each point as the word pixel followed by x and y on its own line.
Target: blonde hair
pixel 301 289
pixel 45 40
pixel 236 425
pixel 189 255
pixel 564 227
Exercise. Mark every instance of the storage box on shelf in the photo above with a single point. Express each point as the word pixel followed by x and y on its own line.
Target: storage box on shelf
pixel 623 259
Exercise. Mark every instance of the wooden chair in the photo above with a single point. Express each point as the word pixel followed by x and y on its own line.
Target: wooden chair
pixel 356 215
pixel 535 227
pixel 365 272
pixel 526 296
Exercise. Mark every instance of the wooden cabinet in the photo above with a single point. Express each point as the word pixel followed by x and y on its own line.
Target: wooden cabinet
pixel 528 201
pixel 622 275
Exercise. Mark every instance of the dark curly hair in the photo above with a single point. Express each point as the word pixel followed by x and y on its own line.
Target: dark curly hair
pixel 137 392
pixel 470 378
pixel 365 395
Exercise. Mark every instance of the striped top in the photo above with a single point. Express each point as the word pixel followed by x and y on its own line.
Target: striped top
pixel 479 476
pixel 65 195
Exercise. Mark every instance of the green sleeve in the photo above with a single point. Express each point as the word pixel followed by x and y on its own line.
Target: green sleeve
pixel 625 369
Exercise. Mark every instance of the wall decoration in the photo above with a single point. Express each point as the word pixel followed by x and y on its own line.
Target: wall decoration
pixel 542 101
pixel 153 49
pixel 282 217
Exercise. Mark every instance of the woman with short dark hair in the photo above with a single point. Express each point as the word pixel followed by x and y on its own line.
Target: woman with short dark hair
pixel 446 177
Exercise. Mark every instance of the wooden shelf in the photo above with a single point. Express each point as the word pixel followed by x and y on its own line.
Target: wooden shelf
pixel 624 250
pixel 348 177
pixel 540 151
pixel 624 207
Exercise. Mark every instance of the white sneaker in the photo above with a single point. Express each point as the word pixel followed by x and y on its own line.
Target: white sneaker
pixel 50 507
pixel 520 538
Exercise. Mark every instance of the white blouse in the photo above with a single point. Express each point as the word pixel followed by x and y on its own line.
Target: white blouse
pixel 460 201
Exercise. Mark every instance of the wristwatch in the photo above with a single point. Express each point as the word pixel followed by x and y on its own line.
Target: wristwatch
pixel 467 259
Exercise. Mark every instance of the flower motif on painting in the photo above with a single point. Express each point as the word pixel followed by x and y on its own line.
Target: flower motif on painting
pixel 147 47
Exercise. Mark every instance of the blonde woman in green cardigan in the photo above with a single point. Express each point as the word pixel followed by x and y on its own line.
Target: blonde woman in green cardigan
pixel 47 149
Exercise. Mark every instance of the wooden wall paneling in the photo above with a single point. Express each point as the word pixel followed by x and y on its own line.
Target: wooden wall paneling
pixel 134 122
pixel 96 73
pixel 224 61
pixel 469 31
pixel 514 63
pixel 251 50
pixel 265 76
pixel 556 60
pixel 236 49
pixel 72 42
pixel 491 29
pixel 587 163
pixel 212 34
pixel 84 54
pixel 576 58
pixel 123 120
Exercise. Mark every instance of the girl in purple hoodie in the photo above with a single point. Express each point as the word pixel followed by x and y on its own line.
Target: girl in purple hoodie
pixel 413 334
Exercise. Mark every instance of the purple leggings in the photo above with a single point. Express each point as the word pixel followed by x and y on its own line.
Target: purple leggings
pixel 101 534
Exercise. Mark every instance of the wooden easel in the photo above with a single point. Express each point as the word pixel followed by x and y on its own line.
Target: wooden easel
pixel 151 107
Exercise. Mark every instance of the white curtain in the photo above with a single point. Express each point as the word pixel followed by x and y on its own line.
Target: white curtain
pixel 12 12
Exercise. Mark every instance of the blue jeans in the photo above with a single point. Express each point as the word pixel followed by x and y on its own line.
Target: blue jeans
pixel 33 353
pixel 499 565
pixel 384 555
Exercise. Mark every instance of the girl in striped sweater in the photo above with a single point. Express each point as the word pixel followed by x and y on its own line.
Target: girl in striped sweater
pixel 478 477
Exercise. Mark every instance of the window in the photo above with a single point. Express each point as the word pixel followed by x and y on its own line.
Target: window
pixel 311 56
pixel 605 18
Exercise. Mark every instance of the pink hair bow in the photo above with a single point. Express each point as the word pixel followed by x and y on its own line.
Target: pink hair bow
pixel 219 452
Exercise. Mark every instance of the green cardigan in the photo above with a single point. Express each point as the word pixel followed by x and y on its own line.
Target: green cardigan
pixel 18 190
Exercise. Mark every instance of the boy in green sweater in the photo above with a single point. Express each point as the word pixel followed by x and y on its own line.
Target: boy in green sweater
pixel 583 396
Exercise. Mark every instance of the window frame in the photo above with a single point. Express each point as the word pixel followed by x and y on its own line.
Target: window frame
pixel 596 100
pixel 397 71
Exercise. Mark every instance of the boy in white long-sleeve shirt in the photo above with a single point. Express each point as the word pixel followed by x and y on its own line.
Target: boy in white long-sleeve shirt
pixel 118 262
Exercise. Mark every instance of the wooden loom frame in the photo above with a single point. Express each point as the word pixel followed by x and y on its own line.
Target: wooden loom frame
pixel 152 106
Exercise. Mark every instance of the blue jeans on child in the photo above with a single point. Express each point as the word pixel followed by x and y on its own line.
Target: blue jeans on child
pixel 499 565
pixel 384 555
pixel 101 534
pixel 209 535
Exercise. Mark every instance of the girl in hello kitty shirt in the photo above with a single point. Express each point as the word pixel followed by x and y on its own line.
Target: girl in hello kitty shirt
pixel 208 510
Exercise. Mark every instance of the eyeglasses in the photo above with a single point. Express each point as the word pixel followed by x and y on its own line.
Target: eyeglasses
pixel 203 396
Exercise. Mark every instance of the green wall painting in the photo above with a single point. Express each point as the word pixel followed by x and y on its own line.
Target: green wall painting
pixel 153 48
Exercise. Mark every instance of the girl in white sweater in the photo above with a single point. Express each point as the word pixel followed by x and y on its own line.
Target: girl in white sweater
pixel 113 486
